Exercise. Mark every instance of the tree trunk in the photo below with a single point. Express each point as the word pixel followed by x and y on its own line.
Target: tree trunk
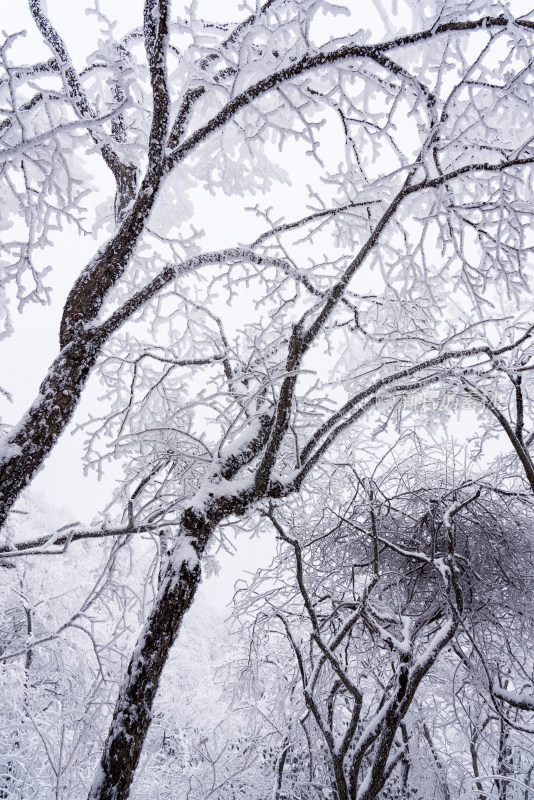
pixel 33 438
pixel 30 442
pixel 133 710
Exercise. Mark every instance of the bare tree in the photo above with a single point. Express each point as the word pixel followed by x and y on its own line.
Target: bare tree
pixel 424 214
pixel 404 588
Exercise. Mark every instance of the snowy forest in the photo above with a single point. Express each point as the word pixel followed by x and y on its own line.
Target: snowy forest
pixel 265 279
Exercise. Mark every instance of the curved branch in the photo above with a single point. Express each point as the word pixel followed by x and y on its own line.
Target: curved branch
pixel 325 58
pixel 33 547
pixel 125 174
pixel 517 443
pixel 404 373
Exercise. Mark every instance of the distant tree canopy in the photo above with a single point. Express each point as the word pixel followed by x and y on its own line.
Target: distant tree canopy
pixel 306 374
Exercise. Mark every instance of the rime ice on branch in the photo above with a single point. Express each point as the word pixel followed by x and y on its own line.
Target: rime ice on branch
pixel 230 373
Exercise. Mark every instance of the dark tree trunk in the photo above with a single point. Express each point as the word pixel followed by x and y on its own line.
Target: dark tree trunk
pixel 38 431
pixel 36 434
pixel 133 711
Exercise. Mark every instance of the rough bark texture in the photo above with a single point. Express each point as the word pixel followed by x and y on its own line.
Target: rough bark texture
pixel 80 339
pixel 89 291
pixel 133 711
pixel 33 438
pixel 40 428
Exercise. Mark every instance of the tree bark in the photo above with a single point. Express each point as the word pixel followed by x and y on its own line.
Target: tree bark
pixel 133 711
pixel 30 442
pixel 80 339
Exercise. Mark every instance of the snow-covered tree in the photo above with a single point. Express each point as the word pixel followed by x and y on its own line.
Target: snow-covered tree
pixel 384 262
pixel 406 606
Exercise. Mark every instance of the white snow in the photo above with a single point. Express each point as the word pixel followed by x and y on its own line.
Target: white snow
pixel 184 551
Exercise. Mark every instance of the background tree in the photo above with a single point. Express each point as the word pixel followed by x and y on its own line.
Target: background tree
pixel 395 599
